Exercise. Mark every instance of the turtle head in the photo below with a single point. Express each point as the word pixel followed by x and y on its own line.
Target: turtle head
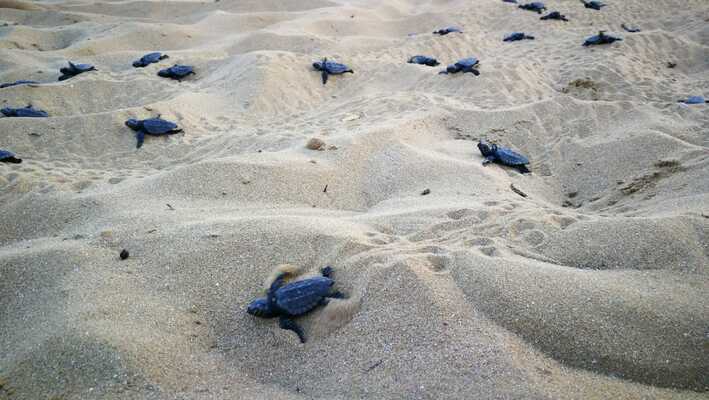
pixel 486 148
pixel 260 308
pixel 133 123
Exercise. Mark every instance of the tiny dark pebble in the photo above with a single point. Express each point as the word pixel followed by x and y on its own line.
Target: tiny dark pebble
pixel 124 254
pixel 425 192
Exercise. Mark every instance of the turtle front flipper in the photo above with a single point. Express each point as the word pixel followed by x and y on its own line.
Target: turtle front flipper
pixel 290 325
pixel 523 169
pixel 140 137
pixel 327 272
pixel 488 160
pixel 324 76
pixel 277 283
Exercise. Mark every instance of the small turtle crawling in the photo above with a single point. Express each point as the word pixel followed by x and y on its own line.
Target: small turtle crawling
pixel 515 36
pixel 554 15
pixel 423 60
pixel 20 82
pixel 294 299
pixel 25 112
pixel 149 58
pixel 151 126
pixel 694 100
pixel 536 6
pixel 74 70
pixel 465 65
pixel 593 4
pixel 177 72
pixel 330 68
pixel 503 155
pixel 445 31
pixel 629 29
pixel 601 38
pixel 9 157
pixel 510 1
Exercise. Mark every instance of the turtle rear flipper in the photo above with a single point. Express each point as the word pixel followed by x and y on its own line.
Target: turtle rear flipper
pixel 12 160
pixel 324 76
pixel 290 325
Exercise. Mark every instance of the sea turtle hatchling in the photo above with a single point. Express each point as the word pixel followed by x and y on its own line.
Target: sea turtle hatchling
pixel 470 64
pixel 423 60
pixel 629 29
pixel 151 126
pixel 294 299
pixel 515 36
pixel 16 83
pixel 554 15
pixel 503 155
pixel 330 68
pixel 694 100
pixel 9 157
pixel 149 58
pixel 74 70
pixel 445 31
pixel 177 72
pixel 536 6
pixel 24 112
pixel 593 4
pixel 601 38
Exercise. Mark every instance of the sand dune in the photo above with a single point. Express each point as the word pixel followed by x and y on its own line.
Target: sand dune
pixel 591 287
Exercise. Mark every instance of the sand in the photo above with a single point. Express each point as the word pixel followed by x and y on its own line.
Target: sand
pixel 594 286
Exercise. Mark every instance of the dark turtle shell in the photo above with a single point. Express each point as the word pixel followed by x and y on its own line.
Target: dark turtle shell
pixel 158 126
pixel 176 71
pixel 445 31
pixel 79 68
pixel 593 4
pixel 299 297
pixel 20 82
pixel 536 6
pixel 515 36
pixel 9 157
pixel 554 15
pixel 149 59
pixel 509 157
pixel 601 38
pixel 25 112
pixel 423 60
pixel 331 67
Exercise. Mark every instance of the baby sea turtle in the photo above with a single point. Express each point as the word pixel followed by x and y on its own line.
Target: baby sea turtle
pixel 629 29
pixel 601 38
pixel 465 65
pixel 294 299
pixel 20 82
pixel 503 155
pixel 151 126
pixel 445 31
pixel 554 15
pixel 423 60
pixel 74 70
pixel 536 6
pixel 25 112
pixel 515 36
pixel 593 4
pixel 694 100
pixel 149 59
pixel 178 72
pixel 510 1
pixel 330 68
pixel 9 157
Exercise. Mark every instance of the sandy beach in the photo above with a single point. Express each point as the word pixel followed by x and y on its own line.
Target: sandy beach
pixel 589 280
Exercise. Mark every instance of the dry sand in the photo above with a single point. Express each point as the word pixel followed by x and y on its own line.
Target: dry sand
pixel 595 286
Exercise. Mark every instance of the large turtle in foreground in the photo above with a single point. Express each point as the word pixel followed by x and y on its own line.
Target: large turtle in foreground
pixel 151 126
pixel 503 155
pixel 9 157
pixel 294 299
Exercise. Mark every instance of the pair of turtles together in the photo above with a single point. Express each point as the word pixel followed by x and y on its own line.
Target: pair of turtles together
pixel 470 64
pixel 177 71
